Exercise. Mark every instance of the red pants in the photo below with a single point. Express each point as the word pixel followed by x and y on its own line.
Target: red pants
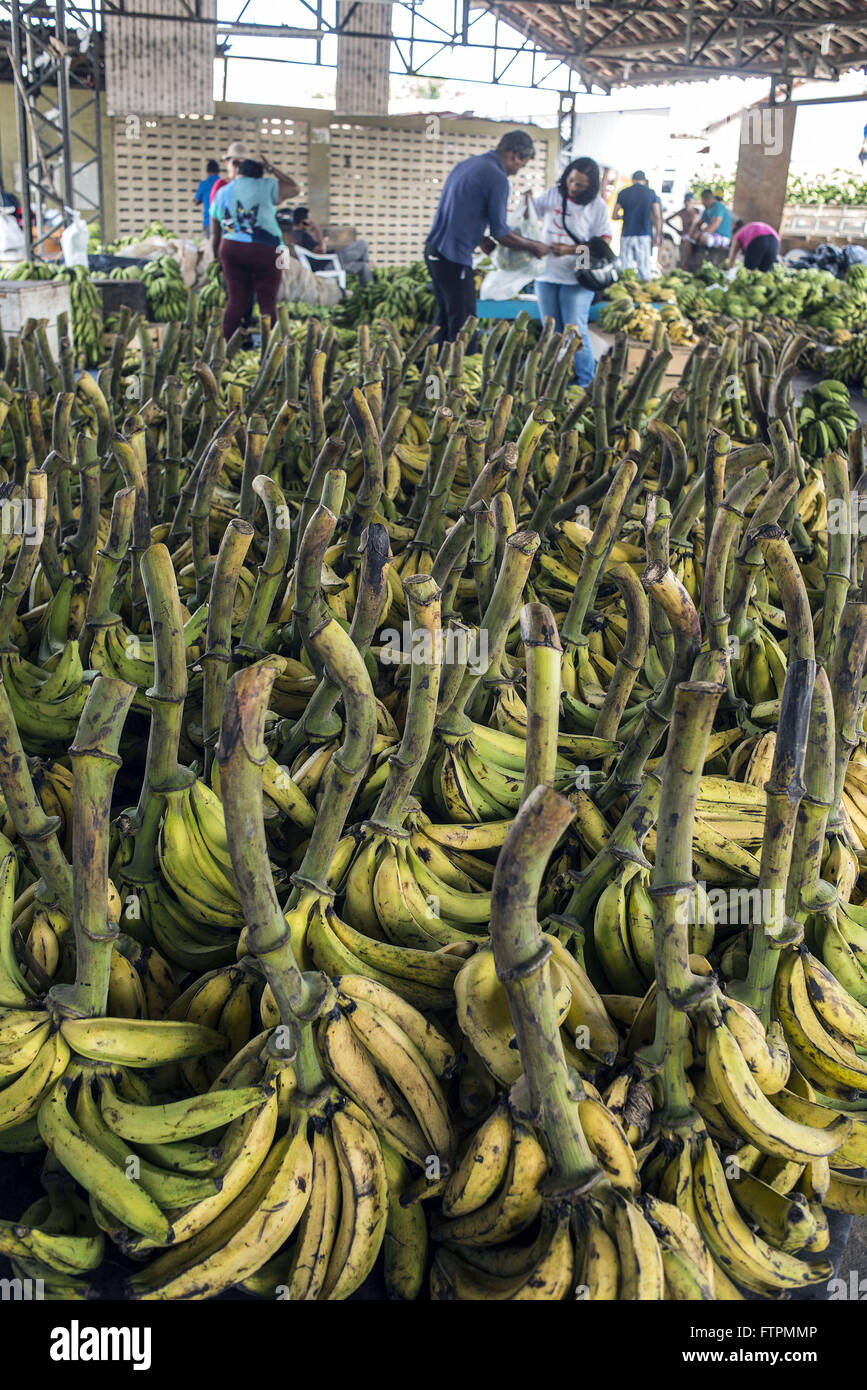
pixel 249 266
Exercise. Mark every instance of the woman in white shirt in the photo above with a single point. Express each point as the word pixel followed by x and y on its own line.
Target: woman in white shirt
pixel 572 212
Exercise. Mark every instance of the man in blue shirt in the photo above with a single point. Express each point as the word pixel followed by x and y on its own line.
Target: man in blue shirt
pixel 639 207
pixel 473 202
pixel 203 192
pixel 715 223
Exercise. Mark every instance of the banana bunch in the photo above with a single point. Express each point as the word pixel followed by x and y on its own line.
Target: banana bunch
pixel 56 1239
pixel 167 293
pixel 743 1252
pixel 623 939
pixel 129 656
pixel 86 314
pixel 478 776
pixel 825 419
pixel 391 1062
pixel 760 669
pixel 194 858
pixel 28 270
pixel 212 292
pixel 126 272
pixel 823 1025
pixel 46 700
pixel 846 362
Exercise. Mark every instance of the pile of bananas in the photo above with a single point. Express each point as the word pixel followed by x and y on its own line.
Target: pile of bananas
pixel 814 299
pixel 629 305
pixel 432 821
pixel 28 270
pixel 847 361
pixel 825 419
pixel 401 294
pixel 167 293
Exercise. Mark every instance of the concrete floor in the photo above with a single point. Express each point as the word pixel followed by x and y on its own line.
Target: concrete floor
pixel 855 1257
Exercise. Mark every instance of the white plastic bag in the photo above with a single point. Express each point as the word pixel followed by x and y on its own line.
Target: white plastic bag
pixel 11 238
pixel 73 240
pixel 528 225
pixel 505 284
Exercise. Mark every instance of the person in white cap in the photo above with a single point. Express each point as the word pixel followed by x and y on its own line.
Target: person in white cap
pixel 234 154
pixel 286 185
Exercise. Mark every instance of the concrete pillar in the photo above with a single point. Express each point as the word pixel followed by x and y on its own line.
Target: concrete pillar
pixel 763 163
pixel 362 64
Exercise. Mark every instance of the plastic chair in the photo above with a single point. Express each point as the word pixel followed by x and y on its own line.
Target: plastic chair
pixel 307 257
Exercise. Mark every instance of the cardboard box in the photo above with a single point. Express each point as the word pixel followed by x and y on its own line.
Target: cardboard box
pixel 21 300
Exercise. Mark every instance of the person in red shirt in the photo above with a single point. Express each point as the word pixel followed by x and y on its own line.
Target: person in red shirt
pixel 758 241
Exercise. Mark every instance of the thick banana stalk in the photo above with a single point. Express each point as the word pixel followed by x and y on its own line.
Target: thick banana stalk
pixel 254 445
pixel 789 822
pixel 200 511
pixel 404 765
pixel 672 891
pixel 438 437
pixel 83 544
pixel 109 559
pixel 835 474
pixel 845 673
pixel 667 590
pixel 497 473
pixel 339 656
pixel 428 532
pixel 38 831
pixel 522 955
pixel 528 442
pixel 166 699
pixel 630 658
pixel 544 657
pixel 729 517
pixel 95 763
pixel 369 492
pixel 672 468
pixel 241 755
pixel 552 495
pixel 217 656
pixel 174 450
pixel 748 561
pixel 520 548
pixel 716 455
pixel 272 569
pixel 307 601
pixel 604 535
pixel 319 723
pixel 88 387
pixel 657 525
pixel 28 554
pixel 329 457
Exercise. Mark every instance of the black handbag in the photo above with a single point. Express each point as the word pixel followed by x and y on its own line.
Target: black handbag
pixel 602 270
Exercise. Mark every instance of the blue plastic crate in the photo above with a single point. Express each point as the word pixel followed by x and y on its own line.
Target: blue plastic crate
pixel 506 308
